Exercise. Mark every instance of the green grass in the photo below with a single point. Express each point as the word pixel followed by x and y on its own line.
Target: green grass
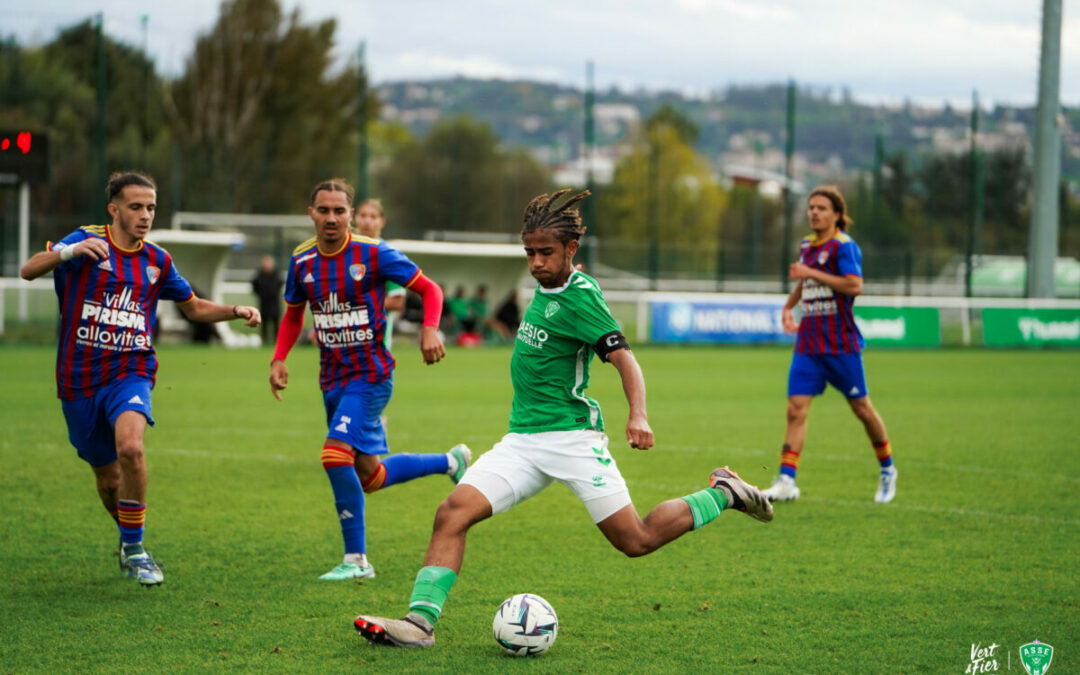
pixel 980 546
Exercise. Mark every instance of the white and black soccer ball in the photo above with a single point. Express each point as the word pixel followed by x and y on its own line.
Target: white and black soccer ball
pixel 525 625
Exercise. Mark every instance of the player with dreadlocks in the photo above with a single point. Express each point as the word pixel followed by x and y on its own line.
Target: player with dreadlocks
pixel 556 431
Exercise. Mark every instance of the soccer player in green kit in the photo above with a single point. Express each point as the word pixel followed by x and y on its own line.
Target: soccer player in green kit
pixel 557 432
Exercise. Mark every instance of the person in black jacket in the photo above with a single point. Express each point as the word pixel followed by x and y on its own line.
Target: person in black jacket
pixel 267 286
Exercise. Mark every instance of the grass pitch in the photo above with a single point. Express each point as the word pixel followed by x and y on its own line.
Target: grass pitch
pixel 980 546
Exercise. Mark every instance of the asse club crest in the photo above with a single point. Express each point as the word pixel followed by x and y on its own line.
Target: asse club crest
pixel 551 308
pixel 1036 657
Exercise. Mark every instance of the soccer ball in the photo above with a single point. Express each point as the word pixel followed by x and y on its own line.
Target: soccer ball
pixel 525 625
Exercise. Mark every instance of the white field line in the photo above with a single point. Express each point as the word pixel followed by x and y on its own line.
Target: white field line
pixel 401 446
pixel 867 504
pixel 871 505
pixel 901 461
pixel 946 510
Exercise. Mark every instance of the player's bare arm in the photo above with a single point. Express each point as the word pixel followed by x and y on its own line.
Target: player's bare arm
pixel 206 311
pixel 787 315
pixel 849 285
pixel 638 432
pixel 46 261
pixel 279 378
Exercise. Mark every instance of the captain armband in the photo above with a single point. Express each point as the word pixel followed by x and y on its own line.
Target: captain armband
pixel 610 342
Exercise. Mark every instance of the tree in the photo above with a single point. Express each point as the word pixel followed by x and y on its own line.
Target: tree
pixel 945 180
pixel 53 88
pixel 258 113
pixel 458 178
pixel 663 166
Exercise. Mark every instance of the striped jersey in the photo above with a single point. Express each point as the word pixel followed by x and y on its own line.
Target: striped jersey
pixel 345 290
pixel 550 364
pixel 828 322
pixel 108 310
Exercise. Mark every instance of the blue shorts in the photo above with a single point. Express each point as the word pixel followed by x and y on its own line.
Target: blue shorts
pixel 352 413
pixel 810 372
pixel 90 421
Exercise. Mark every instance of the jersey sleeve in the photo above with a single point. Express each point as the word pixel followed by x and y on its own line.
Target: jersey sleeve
pixel 176 287
pixel 394 266
pixel 394 289
pixel 295 293
pixel 593 319
pixel 70 240
pixel 849 259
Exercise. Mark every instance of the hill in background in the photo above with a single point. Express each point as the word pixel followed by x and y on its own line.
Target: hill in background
pixel 739 126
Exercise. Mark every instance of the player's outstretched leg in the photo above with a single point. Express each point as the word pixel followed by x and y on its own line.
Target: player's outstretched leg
pixel 405 466
pixel 741 495
pixel 412 631
pixel 886 485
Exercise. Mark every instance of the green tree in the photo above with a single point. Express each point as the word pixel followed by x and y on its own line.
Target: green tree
pixel 689 204
pixel 260 112
pixel 1007 181
pixel 456 179
pixel 53 88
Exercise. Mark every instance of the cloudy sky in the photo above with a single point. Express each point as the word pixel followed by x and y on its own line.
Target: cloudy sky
pixel 929 51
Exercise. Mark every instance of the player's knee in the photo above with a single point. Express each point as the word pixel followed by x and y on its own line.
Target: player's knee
pixel 634 547
pixel 333 457
pixel 453 517
pixel 129 450
pixel 109 483
pixel 446 517
pixel 796 413
pixel 373 480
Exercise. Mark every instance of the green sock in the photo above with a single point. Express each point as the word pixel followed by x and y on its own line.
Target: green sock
pixel 706 505
pixel 429 593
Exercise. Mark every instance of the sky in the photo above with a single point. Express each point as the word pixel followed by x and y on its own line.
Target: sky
pixel 926 51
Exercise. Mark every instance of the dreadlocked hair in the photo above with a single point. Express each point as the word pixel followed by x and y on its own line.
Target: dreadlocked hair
pixel 564 220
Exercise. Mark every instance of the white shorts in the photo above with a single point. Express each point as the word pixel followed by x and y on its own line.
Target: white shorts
pixel 521 465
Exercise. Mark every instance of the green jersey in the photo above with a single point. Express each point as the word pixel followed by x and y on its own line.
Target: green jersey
pixel 550 364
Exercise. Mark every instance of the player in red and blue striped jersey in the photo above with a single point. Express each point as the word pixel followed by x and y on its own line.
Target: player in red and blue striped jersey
pixel 370 220
pixel 342 278
pixel 828 345
pixel 109 279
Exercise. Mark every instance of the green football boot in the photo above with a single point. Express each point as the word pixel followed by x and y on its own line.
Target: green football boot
pixel 346 571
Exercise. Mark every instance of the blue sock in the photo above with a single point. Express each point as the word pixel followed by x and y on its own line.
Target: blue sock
pixel 404 467
pixel 349 500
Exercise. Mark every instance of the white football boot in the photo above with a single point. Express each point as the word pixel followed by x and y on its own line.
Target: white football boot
pixel 886 485
pixel 783 489
pixel 741 495
pixel 412 631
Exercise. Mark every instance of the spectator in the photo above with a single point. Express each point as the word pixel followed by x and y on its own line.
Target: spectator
pixel 267 285
pixel 507 317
